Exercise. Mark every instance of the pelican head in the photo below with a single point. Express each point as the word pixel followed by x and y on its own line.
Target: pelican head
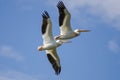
pixel 78 31
pixel 40 48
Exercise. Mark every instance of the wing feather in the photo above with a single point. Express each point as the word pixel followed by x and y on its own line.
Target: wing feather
pixel 64 18
pixel 54 60
pixel 46 28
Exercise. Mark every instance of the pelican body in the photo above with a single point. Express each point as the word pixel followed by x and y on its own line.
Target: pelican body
pixel 49 44
pixel 66 31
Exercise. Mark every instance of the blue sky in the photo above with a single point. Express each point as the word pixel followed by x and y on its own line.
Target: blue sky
pixel 91 56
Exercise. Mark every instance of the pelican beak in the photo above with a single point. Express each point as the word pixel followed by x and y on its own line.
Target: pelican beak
pixel 66 41
pixel 84 30
pixel 39 48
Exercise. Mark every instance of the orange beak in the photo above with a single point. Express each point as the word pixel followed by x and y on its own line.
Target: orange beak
pixel 39 48
pixel 84 30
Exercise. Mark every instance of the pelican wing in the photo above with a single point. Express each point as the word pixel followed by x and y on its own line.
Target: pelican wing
pixel 46 28
pixel 64 18
pixel 54 60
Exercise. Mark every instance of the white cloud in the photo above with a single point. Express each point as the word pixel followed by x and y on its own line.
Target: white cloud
pixel 15 75
pixel 113 46
pixel 8 51
pixel 111 7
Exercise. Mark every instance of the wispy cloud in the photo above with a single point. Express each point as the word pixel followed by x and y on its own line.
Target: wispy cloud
pixel 113 46
pixel 15 75
pixel 9 52
pixel 110 7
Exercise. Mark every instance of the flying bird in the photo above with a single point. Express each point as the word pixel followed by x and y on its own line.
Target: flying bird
pixel 49 44
pixel 66 31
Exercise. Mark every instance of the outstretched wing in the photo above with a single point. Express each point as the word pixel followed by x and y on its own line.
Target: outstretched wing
pixel 64 18
pixel 46 28
pixel 54 60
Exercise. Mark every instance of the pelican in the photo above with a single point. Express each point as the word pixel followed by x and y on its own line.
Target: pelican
pixel 66 31
pixel 49 44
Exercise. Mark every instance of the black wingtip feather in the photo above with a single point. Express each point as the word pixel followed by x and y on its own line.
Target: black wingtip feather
pixel 45 16
pixel 61 8
pixel 61 5
pixel 54 64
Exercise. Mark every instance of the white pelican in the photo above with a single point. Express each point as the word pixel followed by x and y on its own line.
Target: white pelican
pixel 49 44
pixel 66 31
